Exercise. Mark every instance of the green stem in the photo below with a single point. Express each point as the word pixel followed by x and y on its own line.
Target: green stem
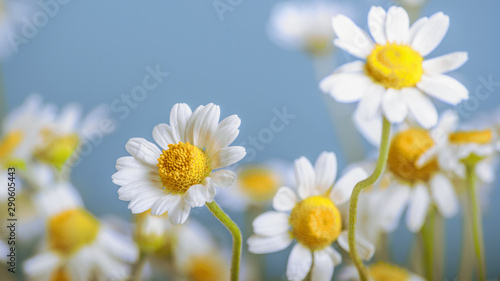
pixel 476 221
pixel 428 241
pixel 235 232
pixel 138 266
pixel 466 264
pixel 353 205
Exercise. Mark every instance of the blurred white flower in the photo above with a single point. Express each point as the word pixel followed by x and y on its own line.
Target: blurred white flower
pixel 394 77
pixel 380 271
pixel 11 14
pixel 314 220
pixel 184 173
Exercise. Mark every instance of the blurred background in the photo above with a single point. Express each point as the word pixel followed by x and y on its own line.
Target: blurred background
pixel 95 52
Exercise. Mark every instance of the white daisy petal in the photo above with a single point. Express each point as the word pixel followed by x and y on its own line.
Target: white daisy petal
pixel 262 245
pixel 205 125
pixel 163 204
pixel 346 87
pixel 485 171
pixel 353 66
pixel 299 263
pixel 365 248
pixel 179 117
pixel 179 213
pixel 143 151
pixel 397 25
pixel 350 37
pixel 163 135
pixel 376 23
pixel 322 268
pixel 430 34
pixel 226 133
pixel 418 206
pixel 444 195
pixel 144 201
pixel 443 88
pixel 41 264
pixel 304 177
pixel 445 63
pixel 342 189
pixel 415 27
pixel 396 201
pixel 76 271
pixel 325 171
pixel 334 255
pixel 370 103
pixel 227 156
pixel 197 195
pixel 420 107
pixel 394 106
pixel 271 224
pixel 188 134
pixel 284 200
pixel 223 178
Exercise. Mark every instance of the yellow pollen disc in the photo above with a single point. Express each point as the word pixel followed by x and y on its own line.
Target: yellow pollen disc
pixel 405 150
pixel 394 66
pixel 259 183
pixel 181 166
pixel 9 143
pixel 56 149
pixel 60 275
pixel 466 137
pixel 382 271
pixel 71 230
pixel 316 222
pixel 205 268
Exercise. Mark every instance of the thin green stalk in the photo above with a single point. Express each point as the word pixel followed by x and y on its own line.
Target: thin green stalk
pixel 466 264
pixel 476 221
pixel 235 232
pixel 138 266
pixel 428 241
pixel 353 205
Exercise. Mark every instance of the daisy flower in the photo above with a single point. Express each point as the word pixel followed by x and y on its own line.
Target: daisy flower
pixel 184 173
pixel 78 246
pixel 11 15
pixel 380 271
pixel 303 25
pixel 151 232
pixel 394 76
pixel 314 220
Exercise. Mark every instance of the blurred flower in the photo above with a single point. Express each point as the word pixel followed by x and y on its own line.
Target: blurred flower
pixel 395 76
pixel 78 246
pixel 181 176
pixel 150 232
pixel 380 271
pixel 314 220
pixel 11 14
pixel 303 25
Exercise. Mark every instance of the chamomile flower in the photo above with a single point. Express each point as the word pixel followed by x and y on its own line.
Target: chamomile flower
pixel 184 173
pixel 151 232
pixel 394 76
pixel 77 246
pixel 380 271
pixel 303 25
pixel 314 220
pixel 12 14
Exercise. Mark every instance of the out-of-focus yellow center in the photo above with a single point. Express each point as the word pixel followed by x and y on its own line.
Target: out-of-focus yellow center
pixel 60 275
pixel 181 166
pixel 9 143
pixel 405 150
pixel 382 271
pixel 467 137
pixel 56 149
pixel 318 45
pixel 150 231
pixel 316 222
pixel 394 66
pixel 205 268
pixel 259 183
pixel 71 230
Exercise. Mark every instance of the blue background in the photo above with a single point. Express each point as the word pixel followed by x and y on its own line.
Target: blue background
pixel 94 51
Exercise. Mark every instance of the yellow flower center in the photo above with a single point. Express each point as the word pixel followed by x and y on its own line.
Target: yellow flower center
pixel 56 149
pixel 382 271
pixel 181 166
pixel 466 137
pixel 60 275
pixel 394 66
pixel 9 143
pixel 405 150
pixel 71 230
pixel 205 268
pixel 258 183
pixel 316 222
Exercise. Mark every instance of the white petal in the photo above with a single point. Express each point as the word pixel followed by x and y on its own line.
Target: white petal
pixel 394 106
pixel 271 224
pixel 445 63
pixel 299 263
pixel 179 117
pixel 415 27
pixel 197 195
pixel 334 255
pixel 420 107
pixel 144 201
pixel 76 271
pixel 365 248
pixel 353 66
pixel 322 266
pixel 227 156
pixel 346 87
pixel 223 178
pixel 370 103
pixel 431 33
pixel 376 24
pixel 304 177
pixel 205 125
pixel 342 190
pixel 443 88
pixel 164 203
pixel 143 150
pixel 43 263
pixel 188 134
pixel 178 214
pixel 263 245
pixel 226 133
pixel 285 199
pixel 396 201
pixel 163 135
pixel 417 209
pixel 350 37
pixel 325 171
pixel 444 195
pixel 371 129
pixel 397 25
pixel 485 171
